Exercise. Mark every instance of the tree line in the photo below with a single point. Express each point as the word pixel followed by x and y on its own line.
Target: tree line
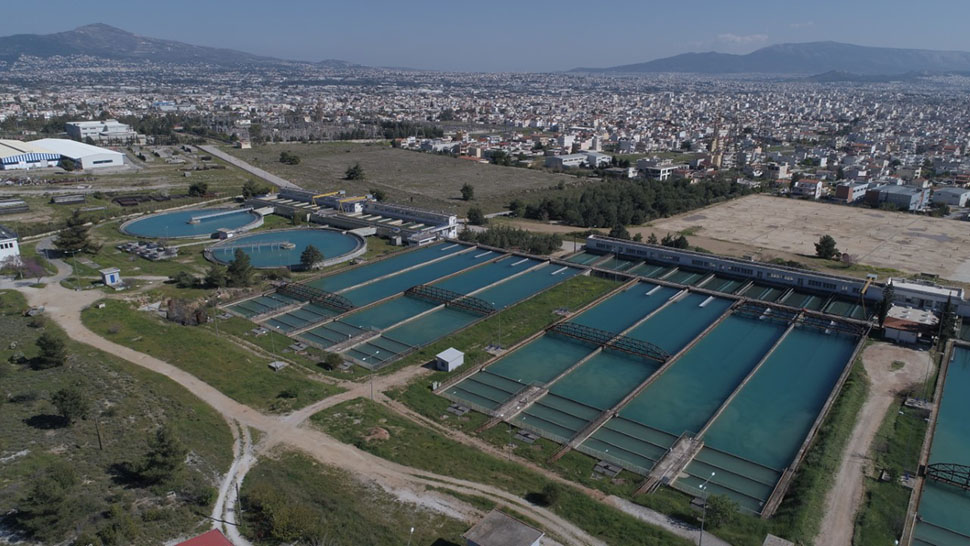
pixel 629 202
pixel 513 238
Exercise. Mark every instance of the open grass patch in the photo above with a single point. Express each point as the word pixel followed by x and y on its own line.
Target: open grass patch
pixel 895 449
pixel 236 372
pixel 294 498
pixel 125 405
pixel 407 443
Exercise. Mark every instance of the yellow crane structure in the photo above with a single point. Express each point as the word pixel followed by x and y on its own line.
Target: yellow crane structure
pixel 319 195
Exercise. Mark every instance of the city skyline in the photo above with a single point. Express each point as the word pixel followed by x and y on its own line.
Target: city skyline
pixel 505 36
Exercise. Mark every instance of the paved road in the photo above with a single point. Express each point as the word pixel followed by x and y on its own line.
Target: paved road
pixel 251 169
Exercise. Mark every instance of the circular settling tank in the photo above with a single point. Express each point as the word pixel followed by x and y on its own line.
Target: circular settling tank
pixel 283 248
pixel 191 223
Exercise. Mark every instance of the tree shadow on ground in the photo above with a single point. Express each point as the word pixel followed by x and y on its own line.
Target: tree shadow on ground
pixel 46 421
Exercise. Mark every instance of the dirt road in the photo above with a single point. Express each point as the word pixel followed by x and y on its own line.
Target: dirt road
pixel 846 496
pixel 64 307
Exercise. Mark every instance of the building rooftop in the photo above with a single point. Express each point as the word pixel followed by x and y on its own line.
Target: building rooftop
pixel 9 148
pixel 210 538
pixel 70 148
pixel 952 191
pixel 926 288
pixel 449 354
pixel 6 233
pixel 498 529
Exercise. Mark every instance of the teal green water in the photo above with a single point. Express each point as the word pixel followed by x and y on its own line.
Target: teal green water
pixel 768 420
pixel 332 244
pixel 805 300
pixel 432 326
pixel 942 505
pixel 485 389
pixel 614 375
pixel 540 360
pixel 683 276
pixel 388 313
pixel 686 396
pixel 176 224
pixel 364 273
pixel 527 284
pixel 584 258
pixel 557 418
pixel 487 274
pixel 847 308
pixel 764 292
pixel 673 327
pixel 631 445
pixel 441 322
pixel 618 264
pixel 624 309
pixel 262 304
pixel 389 286
pixel 723 284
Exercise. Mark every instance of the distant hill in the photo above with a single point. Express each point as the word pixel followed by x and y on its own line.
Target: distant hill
pixel 807 58
pixel 108 42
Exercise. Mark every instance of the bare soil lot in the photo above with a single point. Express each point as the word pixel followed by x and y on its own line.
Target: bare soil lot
pixel 421 179
pixel 915 244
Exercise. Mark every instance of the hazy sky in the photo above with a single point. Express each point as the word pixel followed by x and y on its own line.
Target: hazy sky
pixel 499 35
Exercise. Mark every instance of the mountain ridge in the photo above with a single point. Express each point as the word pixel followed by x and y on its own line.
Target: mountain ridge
pixel 805 58
pixel 108 42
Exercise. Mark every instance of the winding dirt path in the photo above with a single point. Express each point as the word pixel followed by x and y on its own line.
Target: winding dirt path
pixel 64 307
pixel 845 498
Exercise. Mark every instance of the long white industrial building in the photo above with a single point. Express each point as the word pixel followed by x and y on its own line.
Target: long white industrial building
pixel 48 152
pixel 85 155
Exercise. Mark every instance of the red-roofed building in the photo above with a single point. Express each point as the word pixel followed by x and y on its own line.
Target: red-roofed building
pixel 209 538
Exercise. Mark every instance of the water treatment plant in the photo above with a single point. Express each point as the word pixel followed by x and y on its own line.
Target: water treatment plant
pixel 694 373
pixel 667 377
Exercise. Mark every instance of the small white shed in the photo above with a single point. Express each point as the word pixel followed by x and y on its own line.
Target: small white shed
pixel 449 360
pixel 111 276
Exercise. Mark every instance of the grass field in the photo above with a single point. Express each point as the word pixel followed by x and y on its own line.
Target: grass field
pixel 127 404
pixel 408 177
pixel 421 448
pixel 335 508
pixel 236 372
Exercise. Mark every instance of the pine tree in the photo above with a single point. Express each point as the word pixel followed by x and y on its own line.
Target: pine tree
pixel 73 238
pixel 240 271
pixel 310 256
pixel 53 352
pixel 165 457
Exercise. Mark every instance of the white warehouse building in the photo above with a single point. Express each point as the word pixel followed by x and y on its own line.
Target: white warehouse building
pixel 15 154
pixel 84 155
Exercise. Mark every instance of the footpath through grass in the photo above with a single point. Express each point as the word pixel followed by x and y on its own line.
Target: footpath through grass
pixel 236 372
pixel 126 404
pixel 293 498
pixel 409 444
pixel 895 449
